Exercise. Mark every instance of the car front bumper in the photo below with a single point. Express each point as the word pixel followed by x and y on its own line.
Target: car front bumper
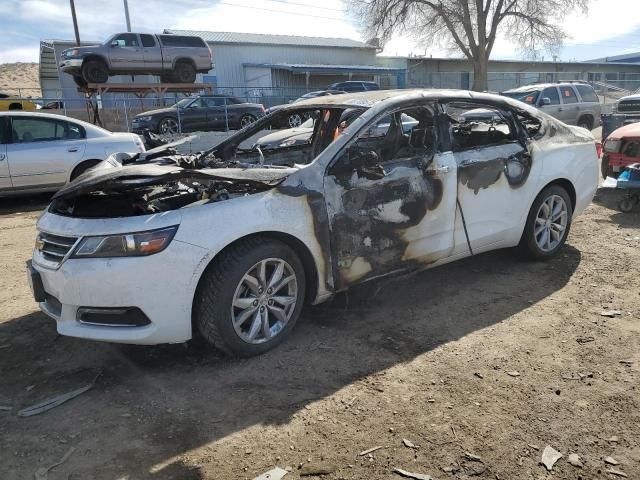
pixel 139 126
pixel 71 65
pixel 159 287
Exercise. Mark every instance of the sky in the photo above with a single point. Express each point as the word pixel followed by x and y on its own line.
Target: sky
pixel 605 31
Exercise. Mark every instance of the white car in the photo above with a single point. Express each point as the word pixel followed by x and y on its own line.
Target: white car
pixel 41 152
pixel 229 244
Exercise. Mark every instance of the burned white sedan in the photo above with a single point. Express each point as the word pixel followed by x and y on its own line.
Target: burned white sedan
pixel 230 243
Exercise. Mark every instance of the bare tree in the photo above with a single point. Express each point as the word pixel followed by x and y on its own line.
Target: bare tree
pixel 471 26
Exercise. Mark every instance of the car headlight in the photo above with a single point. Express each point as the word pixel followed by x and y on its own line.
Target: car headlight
pixel 612 145
pixel 288 143
pixel 146 118
pixel 71 53
pixel 125 245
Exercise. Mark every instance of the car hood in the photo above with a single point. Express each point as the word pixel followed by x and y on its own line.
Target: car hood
pixel 630 97
pixel 159 111
pixel 127 177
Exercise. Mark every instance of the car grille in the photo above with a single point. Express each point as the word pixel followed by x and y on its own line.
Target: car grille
pixel 629 106
pixel 54 248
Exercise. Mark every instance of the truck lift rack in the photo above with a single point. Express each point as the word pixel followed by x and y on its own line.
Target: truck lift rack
pixel 140 90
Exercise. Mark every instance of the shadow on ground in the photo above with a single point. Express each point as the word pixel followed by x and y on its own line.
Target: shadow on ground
pixel 22 204
pixel 161 402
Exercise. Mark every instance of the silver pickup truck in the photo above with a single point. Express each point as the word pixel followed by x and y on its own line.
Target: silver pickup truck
pixel 176 58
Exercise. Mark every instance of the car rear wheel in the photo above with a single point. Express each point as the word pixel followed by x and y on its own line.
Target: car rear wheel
pixel 95 71
pixel 548 224
pixel 586 122
pixel 184 73
pixel 247 120
pixel 168 126
pixel 249 300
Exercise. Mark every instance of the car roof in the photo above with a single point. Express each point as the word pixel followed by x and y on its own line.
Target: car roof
pixel 540 86
pixel 53 116
pixel 372 97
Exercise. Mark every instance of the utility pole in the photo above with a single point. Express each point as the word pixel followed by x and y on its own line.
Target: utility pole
pixel 126 15
pixel 75 22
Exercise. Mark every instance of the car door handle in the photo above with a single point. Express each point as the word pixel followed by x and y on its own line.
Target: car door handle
pixel 72 149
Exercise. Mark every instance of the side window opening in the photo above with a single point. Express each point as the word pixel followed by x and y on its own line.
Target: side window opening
pixel 529 124
pixel 587 93
pixel 403 136
pixel 147 40
pixel 477 125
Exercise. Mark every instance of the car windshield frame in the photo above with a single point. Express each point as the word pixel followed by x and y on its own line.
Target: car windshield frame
pixel 185 102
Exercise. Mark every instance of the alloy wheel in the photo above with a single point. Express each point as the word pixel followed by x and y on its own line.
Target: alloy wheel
pixel 295 120
pixel 264 300
pixel 246 120
pixel 551 223
pixel 169 126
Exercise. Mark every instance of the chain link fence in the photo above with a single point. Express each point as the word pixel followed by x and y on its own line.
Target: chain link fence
pixel 117 110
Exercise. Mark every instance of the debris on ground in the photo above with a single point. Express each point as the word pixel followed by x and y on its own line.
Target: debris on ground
pixel 274 474
pixel 535 447
pixel 610 313
pixel 472 457
pixel 479 375
pixel 416 476
pixel 613 439
pixel 369 450
pixel 409 443
pixel 617 473
pixel 311 469
pixel 583 340
pixel 43 472
pixel 57 400
pixel 611 461
pixel 513 373
pixel 550 456
pixel 574 459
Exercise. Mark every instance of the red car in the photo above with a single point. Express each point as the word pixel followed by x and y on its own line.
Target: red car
pixel 621 148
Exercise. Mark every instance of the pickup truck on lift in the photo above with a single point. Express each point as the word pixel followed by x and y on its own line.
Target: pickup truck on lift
pixel 176 58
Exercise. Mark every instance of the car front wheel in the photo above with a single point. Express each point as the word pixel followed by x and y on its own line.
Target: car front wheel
pixel 247 120
pixel 548 224
pixel 168 126
pixel 249 300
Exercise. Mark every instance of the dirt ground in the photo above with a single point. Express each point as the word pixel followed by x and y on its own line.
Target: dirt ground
pixel 492 356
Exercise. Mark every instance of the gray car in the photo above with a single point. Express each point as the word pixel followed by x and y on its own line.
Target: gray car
pixel 574 103
pixel 176 58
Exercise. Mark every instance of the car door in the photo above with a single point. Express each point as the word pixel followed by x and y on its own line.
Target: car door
pixel 391 200
pixel 493 172
pixel 5 177
pixel 570 106
pixel 43 150
pixel 194 117
pixel 553 107
pixel 125 53
pixel 217 111
pixel 151 52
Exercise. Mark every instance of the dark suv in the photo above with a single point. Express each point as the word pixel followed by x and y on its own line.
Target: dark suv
pixel 200 113
pixel 354 86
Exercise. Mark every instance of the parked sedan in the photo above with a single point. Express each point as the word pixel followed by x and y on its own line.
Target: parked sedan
pixel 42 152
pixel 201 113
pixel 229 244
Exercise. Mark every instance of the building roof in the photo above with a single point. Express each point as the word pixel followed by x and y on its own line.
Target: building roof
pixel 262 39
pixel 626 58
pixel 303 68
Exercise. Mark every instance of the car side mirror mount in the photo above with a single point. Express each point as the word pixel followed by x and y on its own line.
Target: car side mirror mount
pixel 545 101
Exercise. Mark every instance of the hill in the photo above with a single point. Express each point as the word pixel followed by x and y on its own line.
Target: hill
pixel 20 79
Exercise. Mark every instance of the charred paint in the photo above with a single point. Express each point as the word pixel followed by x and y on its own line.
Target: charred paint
pixel 481 174
pixel 367 238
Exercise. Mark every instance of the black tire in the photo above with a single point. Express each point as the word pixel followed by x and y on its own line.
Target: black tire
pixel 95 71
pixel 215 294
pixel 606 169
pixel 81 82
pixel 83 167
pixel 528 245
pixel 15 106
pixel 246 120
pixel 626 204
pixel 184 72
pixel 586 121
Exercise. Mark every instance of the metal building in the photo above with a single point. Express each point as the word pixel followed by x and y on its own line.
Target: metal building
pixel 257 65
